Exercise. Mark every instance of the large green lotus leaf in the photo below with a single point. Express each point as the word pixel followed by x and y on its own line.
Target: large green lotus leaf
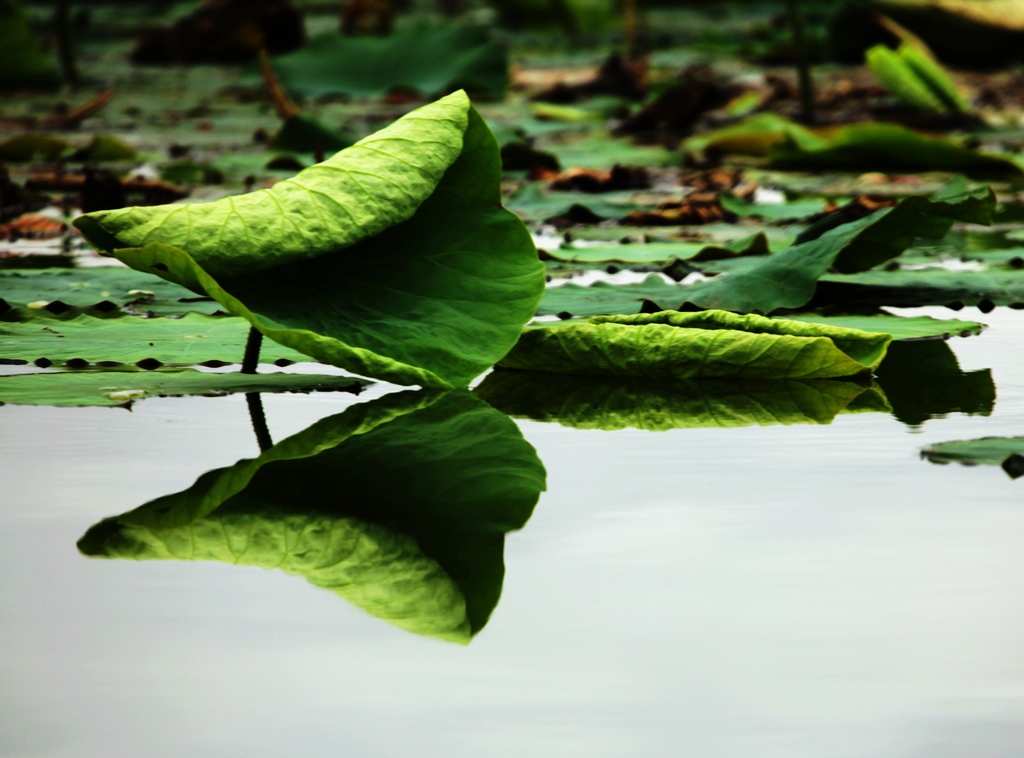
pixel 194 338
pixel 706 344
pixel 1007 452
pixel 393 259
pixel 22 62
pixel 99 288
pixel 399 506
pixel 430 60
pixel 660 252
pixel 923 380
pixel 789 278
pixel 609 404
pixel 122 388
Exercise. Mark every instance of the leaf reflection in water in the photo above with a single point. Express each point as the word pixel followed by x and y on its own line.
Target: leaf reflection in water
pixel 399 506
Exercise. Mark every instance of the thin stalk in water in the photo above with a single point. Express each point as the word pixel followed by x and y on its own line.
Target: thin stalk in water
pixel 251 359
pixel 259 421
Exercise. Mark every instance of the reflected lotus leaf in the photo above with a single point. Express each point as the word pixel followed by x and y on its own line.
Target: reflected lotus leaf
pixel 609 404
pixel 1005 452
pixel 923 380
pixel 399 506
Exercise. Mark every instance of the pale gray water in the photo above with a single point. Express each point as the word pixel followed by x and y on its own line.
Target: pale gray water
pixel 797 591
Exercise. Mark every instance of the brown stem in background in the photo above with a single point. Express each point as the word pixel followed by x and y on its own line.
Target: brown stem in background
pixel 796 24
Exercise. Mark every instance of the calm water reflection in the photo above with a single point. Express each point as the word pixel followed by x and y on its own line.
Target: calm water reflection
pixel 812 589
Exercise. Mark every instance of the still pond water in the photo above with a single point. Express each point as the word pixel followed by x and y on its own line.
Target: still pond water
pixel 805 590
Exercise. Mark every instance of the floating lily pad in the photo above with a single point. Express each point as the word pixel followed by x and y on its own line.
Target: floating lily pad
pixel 122 388
pixel 430 486
pixel 99 287
pixel 661 253
pixel 609 404
pixel 899 327
pixel 795 210
pixel 704 345
pixel 1006 452
pixel 431 60
pixel 192 339
pixel 392 259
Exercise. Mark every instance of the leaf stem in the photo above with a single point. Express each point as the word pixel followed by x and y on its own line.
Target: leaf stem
pixel 259 421
pixel 251 359
pixel 796 24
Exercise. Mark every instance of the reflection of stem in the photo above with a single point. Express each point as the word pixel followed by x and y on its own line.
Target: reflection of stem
pixel 252 351
pixel 796 23
pixel 259 421
pixel 65 47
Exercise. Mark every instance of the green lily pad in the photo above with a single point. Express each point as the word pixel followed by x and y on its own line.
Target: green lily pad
pixel 898 327
pixel 704 345
pixel 100 288
pixel 192 339
pixel 393 259
pixel 25 148
pixel 795 210
pixel 431 484
pixel 1006 452
pixel 661 253
pixel 122 388
pixel 611 404
pixel 431 60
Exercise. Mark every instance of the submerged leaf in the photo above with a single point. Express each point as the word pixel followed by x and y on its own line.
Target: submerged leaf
pixel 707 344
pixel 609 404
pixel 393 259
pixel 122 388
pixel 428 486
pixel 430 60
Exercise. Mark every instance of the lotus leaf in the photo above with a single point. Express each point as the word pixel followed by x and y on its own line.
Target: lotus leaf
pixel 660 252
pixel 122 388
pixel 707 344
pixel 610 404
pixel 1007 452
pixel 430 483
pixel 392 259
pixel 194 338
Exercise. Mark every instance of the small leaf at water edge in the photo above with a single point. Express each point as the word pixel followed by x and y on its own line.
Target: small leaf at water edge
pixel 1006 452
pixel 191 339
pixel 707 344
pixel 393 259
pixel 398 505
pixel 430 60
pixel 610 404
pixel 122 388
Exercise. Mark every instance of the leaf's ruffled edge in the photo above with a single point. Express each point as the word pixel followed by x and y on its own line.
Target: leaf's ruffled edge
pixel 859 352
pixel 115 231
